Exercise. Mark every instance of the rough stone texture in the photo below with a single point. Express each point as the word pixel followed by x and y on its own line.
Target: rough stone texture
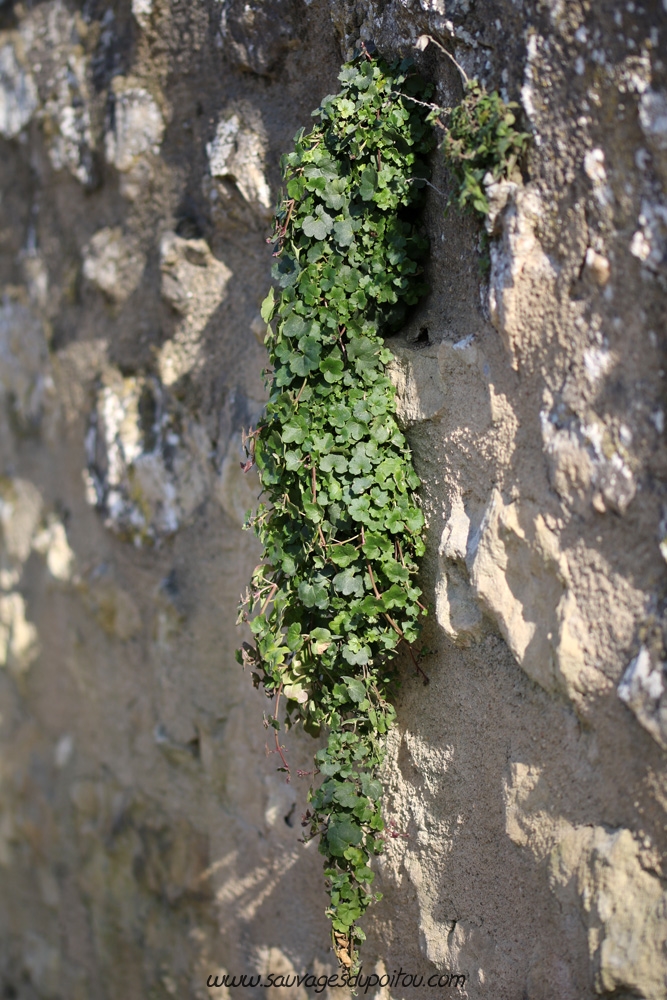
pixel 146 841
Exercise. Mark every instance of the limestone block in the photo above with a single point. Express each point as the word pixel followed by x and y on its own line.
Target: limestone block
pixel 438 380
pixel 20 513
pixel 18 92
pixel 138 125
pixel 66 117
pixel 521 273
pixel 112 263
pixel 584 466
pixel 419 391
pixel 19 641
pixel 522 578
pixel 148 465
pixel 237 152
pixel 649 242
pixel 51 542
pixel 142 10
pixel 133 139
pixel 456 606
pixel 642 688
pixel 194 283
pixel 529 803
pixel 623 905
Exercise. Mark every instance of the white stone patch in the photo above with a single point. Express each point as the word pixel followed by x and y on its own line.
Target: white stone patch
pixel 237 152
pixel 63 751
pixel 454 542
pixel 19 645
pixel 112 264
pixel 134 137
pixel 456 607
pixel 138 126
pixel 148 465
pixel 70 141
pixel 522 578
pixel 498 193
pixel 528 90
pixel 142 10
pixel 51 543
pixel 643 691
pixel 595 170
pixel 612 475
pixel 598 362
pixel 653 119
pixel 649 244
pixel 194 283
pixel 18 92
pixel 20 515
pixel 597 266
pixel 640 246
pixel 622 905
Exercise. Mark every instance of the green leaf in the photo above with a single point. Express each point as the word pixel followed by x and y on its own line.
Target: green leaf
pixel 294 326
pixel 347 582
pixel 320 640
pixel 341 834
pixel 394 522
pixel 319 225
pixel 344 232
pixel 377 545
pixel 333 462
pixel 268 305
pixel 355 657
pixel 356 689
pixel 371 787
pixel 343 555
pixel 346 795
pixel 332 368
pixel 312 595
pixel 369 180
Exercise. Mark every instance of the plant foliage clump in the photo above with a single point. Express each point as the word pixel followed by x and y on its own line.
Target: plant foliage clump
pixel 481 139
pixel 340 525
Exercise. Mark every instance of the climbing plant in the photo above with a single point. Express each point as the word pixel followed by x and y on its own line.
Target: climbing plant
pixel 334 597
pixel 481 139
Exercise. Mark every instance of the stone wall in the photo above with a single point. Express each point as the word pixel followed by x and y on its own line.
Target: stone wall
pixel 146 841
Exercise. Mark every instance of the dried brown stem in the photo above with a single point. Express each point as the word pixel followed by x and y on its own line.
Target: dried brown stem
pixel 279 749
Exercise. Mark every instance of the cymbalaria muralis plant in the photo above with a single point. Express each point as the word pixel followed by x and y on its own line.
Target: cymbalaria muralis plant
pixel 334 596
pixel 341 529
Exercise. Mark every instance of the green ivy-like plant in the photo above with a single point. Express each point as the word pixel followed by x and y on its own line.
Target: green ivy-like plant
pixel 480 139
pixel 340 524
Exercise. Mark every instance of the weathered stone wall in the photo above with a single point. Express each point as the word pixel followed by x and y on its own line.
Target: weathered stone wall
pixel 145 838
